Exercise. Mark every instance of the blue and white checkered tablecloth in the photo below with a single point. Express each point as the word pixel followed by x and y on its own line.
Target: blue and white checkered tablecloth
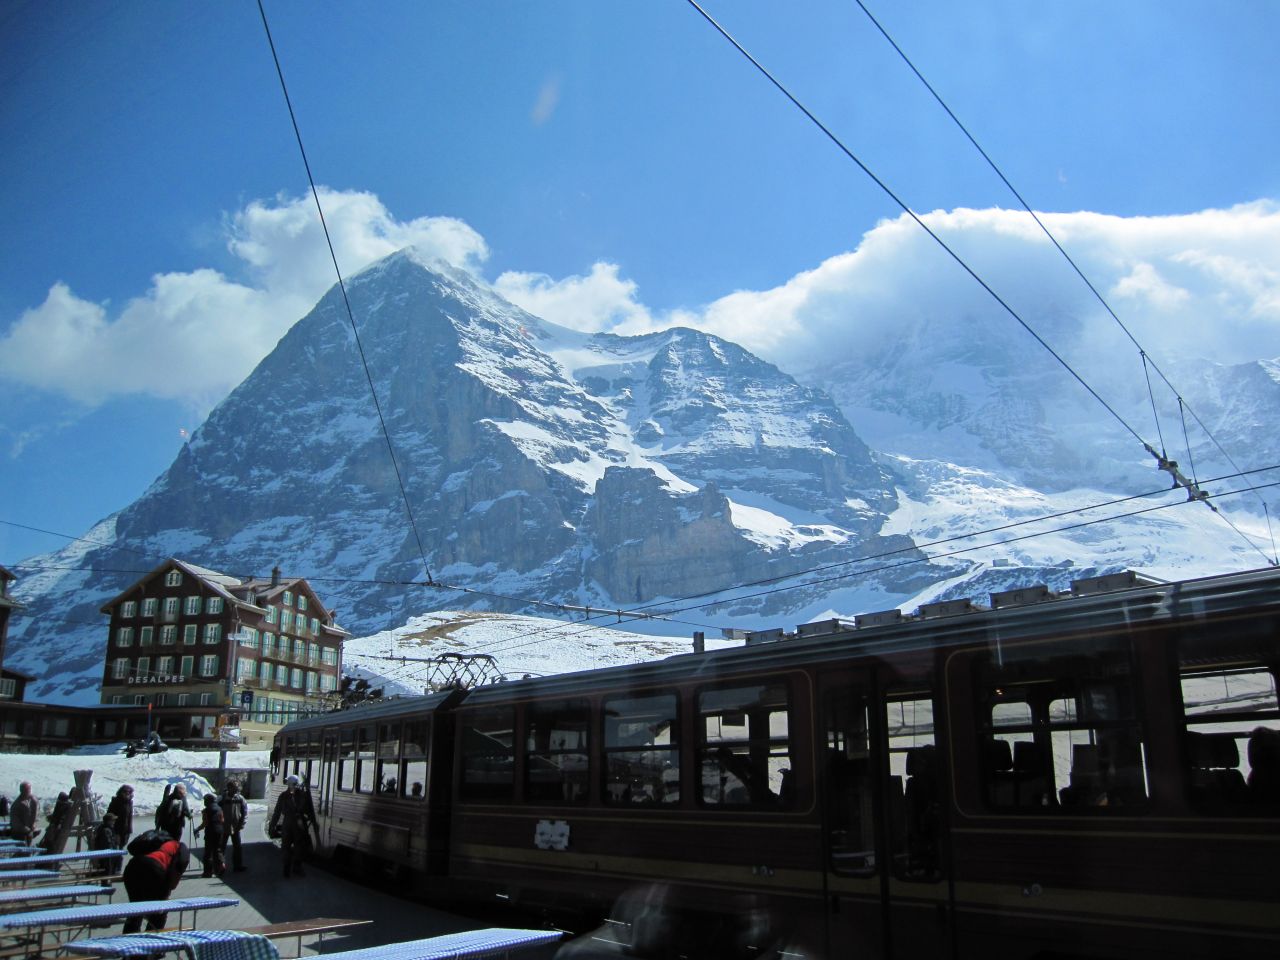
pixel 22 876
pixel 18 850
pixel 54 893
pixel 91 913
pixel 49 859
pixel 199 944
pixel 468 945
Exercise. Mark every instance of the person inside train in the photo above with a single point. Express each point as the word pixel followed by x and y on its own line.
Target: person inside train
pixel 1264 765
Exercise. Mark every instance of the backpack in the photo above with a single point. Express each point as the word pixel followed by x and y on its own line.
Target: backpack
pixel 149 841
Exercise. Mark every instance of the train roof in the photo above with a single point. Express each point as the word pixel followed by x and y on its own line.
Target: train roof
pixel 1041 613
pixel 1145 602
pixel 377 711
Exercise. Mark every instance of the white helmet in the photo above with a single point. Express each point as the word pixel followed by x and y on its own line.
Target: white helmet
pixel 292 780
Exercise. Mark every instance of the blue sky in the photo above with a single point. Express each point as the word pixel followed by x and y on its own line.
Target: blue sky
pixel 625 150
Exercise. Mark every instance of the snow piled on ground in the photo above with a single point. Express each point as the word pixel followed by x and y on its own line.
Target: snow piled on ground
pixel 520 645
pixel 149 774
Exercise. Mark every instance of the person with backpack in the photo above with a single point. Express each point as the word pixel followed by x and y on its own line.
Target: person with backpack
pixel 173 813
pixel 292 819
pixel 213 823
pixel 236 812
pixel 61 810
pixel 153 875
pixel 106 838
pixel 122 806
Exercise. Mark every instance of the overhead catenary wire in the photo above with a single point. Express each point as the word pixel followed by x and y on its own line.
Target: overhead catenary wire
pixel 933 235
pixel 709 596
pixel 898 551
pixel 1148 363
pixel 958 552
pixel 391 451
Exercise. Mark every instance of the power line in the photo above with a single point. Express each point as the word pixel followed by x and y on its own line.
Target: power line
pixel 642 611
pixel 952 553
pixel 1147 362
pixel 908 549
pixel 888 191
pixel 343 287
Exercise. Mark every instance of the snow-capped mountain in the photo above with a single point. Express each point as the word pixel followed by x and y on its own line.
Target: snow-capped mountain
pixel 538 463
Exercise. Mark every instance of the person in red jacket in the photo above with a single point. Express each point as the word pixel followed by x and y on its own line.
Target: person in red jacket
pixel 153 876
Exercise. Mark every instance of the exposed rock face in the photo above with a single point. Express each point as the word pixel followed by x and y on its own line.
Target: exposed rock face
pixel 538 463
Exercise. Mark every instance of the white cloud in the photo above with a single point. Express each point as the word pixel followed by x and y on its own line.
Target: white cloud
pixel 193 336
pixel 548 99
pixel 1205 283
pixel 1170 279
pixel 602 300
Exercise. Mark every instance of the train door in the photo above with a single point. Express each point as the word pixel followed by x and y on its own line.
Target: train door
pixel 917 892
pixel 328 782
pixel 853 846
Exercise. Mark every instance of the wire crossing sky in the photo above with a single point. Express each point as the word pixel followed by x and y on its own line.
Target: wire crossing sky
pixel 605 163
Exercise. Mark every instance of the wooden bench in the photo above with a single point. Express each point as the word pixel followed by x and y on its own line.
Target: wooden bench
pixel 304 928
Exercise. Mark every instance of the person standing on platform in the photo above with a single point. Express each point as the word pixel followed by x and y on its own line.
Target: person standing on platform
pixel 22 815
pixel 213 823
pixel 292 820
pixel 153 876
pixel 236 812
pixel 173 813
pixel 122 806
pixel 106 838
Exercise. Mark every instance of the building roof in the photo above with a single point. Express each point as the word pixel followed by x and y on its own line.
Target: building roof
pixel 223 584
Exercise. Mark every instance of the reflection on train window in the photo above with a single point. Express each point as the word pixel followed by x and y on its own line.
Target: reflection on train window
pixel 413 768
pixel 745 754
pixel 1233 736
pixel 347 760
pixel 366 780
pixel 914 795
pixel 1061 734
pixel 488 754
pixel 642 756
pixel 388 775
pixel 556 752
pixel 851 824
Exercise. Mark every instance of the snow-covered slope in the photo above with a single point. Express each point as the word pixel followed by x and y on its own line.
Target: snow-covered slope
pixel 537 463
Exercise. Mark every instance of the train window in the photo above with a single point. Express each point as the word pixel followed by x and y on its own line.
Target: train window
pixel 388 775
pixel 744 755
pixel 850 819
pixel 413 770
pixel 914 793
pixel 641 750
pixel 1060 731
pixel 1233 737
pixel 347 760
pixel 556 752
pixel 365 763
pixel 488 754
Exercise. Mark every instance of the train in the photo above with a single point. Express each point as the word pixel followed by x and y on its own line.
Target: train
pixel 1084 773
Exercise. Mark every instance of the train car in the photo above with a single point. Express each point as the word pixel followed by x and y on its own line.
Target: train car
pixel 1095 774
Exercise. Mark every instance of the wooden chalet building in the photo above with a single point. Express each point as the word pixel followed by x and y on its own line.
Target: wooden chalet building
pixel 12 682
pixel 255 653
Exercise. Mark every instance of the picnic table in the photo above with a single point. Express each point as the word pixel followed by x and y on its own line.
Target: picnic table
pixel 22 876
pixel 58 859
pixel 29 895
pixel 488 944
pixel 16 849
pixel 231 943
pixel 37 924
